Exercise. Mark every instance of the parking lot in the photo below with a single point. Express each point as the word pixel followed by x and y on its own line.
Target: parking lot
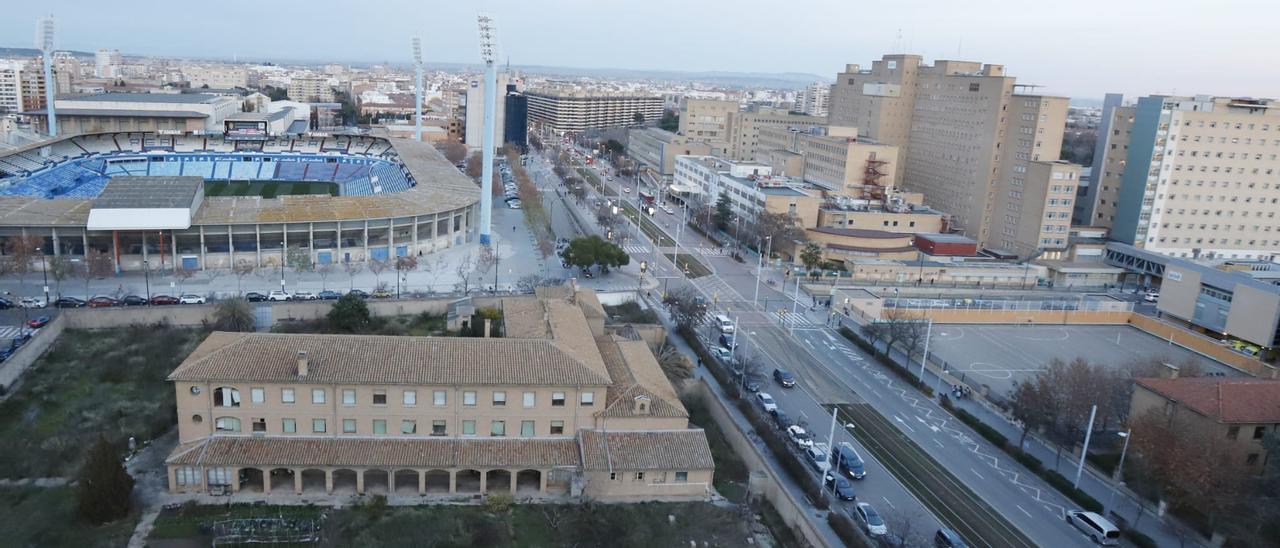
pixel 1001 355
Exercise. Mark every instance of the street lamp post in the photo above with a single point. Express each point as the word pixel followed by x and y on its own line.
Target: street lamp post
pixel 146 274
pixel 928 332
pixel 44 269
pixel 1116 474
pixel 760 269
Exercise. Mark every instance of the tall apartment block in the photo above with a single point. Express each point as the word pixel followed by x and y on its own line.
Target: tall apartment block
pixel 814 100
pixel 707 120
pixel 745 128
pixel 972 146
pixel 562 109
pixel 1194 177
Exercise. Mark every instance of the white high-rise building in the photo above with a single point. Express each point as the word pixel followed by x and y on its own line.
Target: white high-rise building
pixel 10 86
pixel 814 100
pixel 107 63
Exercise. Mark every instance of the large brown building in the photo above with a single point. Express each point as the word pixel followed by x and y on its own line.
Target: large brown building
pixel 558 406
pixel 1238 411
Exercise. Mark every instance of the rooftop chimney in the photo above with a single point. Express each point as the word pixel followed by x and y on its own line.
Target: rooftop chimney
pixel 302 363
pixel 1170 371
pixel 488 324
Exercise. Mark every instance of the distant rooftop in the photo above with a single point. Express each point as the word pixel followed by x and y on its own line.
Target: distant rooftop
pixel 190 98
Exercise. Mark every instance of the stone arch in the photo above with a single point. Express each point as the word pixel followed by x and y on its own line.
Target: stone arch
pixel 313 480
pixel 469 481
pixel 377 482
pixel 404 482
pixel 438 481
pixel 529 482
pixel 497 480
pixel 344 481
pixel 281 480
pixel 251 480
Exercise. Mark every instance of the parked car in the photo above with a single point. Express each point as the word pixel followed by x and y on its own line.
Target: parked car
pixel 31 302
pixel 190 298
pixel 134 300
pixel 68 302
pixel 870 520
pixel 37 323
pixel 727 341
pixel 721 353
pixel 766 402
pixel 842 488
pixel 359 293
pixel 786 379
pixel 103 301
pixel 1151 296
pixel 798 436
pixel 626 190
pixel 1099 529
pixel 381 294
pixel 819 456
pixel 254 297
pixel 515 204
pixel 5 304
pixel 328 295
pixel 668 209
pixel 782 420
pixel 847 461
pixel 159 300
pixel 946 538
pixel 752 384
pixel 304 296
pixel 279 295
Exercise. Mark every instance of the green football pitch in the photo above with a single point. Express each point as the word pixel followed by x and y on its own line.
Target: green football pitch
pixel 267 189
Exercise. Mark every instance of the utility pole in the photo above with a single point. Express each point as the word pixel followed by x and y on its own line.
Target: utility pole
pixel 831 435
pixel 760 268
pixel 1087 435
pixel 928 333
pixel 488 53
pixel 44 42
pixel 417 107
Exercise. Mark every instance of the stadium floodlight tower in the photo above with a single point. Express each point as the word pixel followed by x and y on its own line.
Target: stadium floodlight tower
pixel 44 42
pixel 417 107
pixel 489 54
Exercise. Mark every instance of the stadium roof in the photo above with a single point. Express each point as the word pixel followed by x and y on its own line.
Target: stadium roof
pixel 192 98
pixel 120 113
pixel 131 192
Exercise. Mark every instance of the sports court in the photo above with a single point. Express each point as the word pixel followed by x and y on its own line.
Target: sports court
pixel 1000 355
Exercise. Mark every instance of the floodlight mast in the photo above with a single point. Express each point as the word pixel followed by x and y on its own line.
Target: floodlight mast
pixel 417 107
pixel 488 53
pixel 44 41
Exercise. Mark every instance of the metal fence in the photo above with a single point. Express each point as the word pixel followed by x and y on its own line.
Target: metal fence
pixel 1080 304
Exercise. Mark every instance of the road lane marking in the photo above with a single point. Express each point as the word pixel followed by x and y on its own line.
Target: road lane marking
pixel 886 501
pixel 939 444
pixel 1024 510
pixel 904 423
pixel 975 472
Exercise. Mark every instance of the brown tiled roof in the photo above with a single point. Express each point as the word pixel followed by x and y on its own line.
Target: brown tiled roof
pixel 573 335
pixel 375 452
pixel 372 359
pixel 524 318
pixel 646 450
pixel 635 372
pixel 1228 400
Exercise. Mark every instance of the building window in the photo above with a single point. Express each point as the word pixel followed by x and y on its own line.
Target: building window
pixel 557 428
pixel 379 426
pixel 259 425
pixel 1259 431
pixel 1251 459
pixel 408 427
pixel 499 399
pixel 526 429
pixel 1233 432
pixel 469 398
pixel 289 426
pixel 410 398
pixel 682 477
pixel 438 428
pixel 974 86
pixel 379 397
pixel 348 397
pixel 587 399
pixel 317 395
pixel 468 428
pixel 557 399
pixel 498 428
pixel 439 398
pixel 319 426
pixel 348 426
pixel 613 476
pixel 225 396
pixel 226 424
pixel 639 476
pixel 187 475
pixel 530 399
pixel 257 395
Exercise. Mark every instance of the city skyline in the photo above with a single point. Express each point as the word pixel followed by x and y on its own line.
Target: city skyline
pixel 1057 50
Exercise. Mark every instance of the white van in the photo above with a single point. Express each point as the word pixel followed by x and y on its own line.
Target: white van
pixel 724 323
pixel 1096 527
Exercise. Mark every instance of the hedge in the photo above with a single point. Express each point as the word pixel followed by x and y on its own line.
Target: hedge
pixel 887 361
pixel 1138 539
pixel 992 435
pixel 1061 483
pixel 846 529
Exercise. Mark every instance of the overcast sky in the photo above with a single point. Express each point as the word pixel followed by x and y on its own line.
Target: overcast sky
pixel 1080 48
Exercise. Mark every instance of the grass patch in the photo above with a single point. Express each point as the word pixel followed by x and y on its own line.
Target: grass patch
pixel 268 189
pixel 650 229
pixel 109 382
pixel 418 325
pixel 731 472
pixel 642 524
pixel 37 516
pixel 629 312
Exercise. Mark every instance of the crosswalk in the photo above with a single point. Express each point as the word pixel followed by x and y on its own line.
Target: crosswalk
pixel 634 249
pixel 717 290
pixel 794 320
pixel 12 332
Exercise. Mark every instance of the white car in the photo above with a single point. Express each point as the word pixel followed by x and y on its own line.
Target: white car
pixel 190 298
pixel 32 302
pixel 304 296
pixel 799 437
pixel 870 520
pixel 721 353
pixel 626 190
pixel 279 295
pixel 767 403
pixel 1151 296
pixel 515 204
pixel 819 457
pixel 668 209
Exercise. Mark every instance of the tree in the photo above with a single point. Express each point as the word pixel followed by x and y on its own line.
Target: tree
pixel 233 315
pixel 60 268
pixel 674 363
pixel 475 165
pixel 476 328
pixel 613 146
pixel 377 267
pixel 685 307
pixel 670 121
pixel 464 270
pixel 271 268
pixel 97 264
pixel 182 274
pixel 352 268
pixel 104 489
pixel 1032 405
pixel 638 118
pixel 487 261
pixel 724 212
pixel 529 282
pixel 453 151
pixel 20 254
pixel 350 313
pixel 780 227
pixel 324 271
pixel 242 268
pixel 299 259
pixel 810 255
pixel 589 251
pixel 404 265
pixel 435 269
pixel 912 332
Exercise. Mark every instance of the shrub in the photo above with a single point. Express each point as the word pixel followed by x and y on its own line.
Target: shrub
pixel 1138 539
pixel 1030 461
pixel 104 487
pixel 983 428
pixel 1061 483
pixel 233 315
pixel 349 314
pixel 846 529
pixel 498 503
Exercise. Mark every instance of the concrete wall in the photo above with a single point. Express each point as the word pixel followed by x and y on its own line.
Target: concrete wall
pixel 1199 343
pixel 793 512
pixel 1024 316
pixel 103 318
pixel 20 361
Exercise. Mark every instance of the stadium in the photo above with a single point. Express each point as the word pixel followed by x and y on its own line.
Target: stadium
pixel 202 202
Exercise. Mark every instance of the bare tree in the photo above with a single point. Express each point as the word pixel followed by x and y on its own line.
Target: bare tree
pixel 60 268
pixel 97 265
pixel 487 261
pixel 685 308
pixel 352 268
pixel 529 282
pixel 377 267
pixel 465 269
pixel 1032 404
pixel 182 274
pixel 20 255
pixel 324 271
pixel 271 268
pixel 404 265
pixel 905 530
pixel 438 267
pixel 475 166
pixel 673 362
pixel 453 151
pixel 299 259
pixel 242 268
pixel 911 333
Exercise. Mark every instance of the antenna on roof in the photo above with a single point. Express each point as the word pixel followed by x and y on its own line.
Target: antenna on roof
pixel 44 41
